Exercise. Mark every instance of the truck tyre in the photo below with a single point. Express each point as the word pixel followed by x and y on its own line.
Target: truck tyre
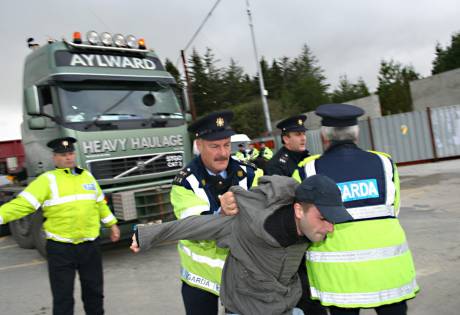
pixel 22 232
pixel 38 234
pixel 4 230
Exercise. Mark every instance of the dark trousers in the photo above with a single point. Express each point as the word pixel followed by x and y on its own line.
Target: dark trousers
pixel 390 309
pixel 64 260
pixel 199 302
pixel 306 304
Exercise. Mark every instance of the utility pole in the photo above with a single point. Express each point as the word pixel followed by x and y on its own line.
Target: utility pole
pixel 263 92
pixel 191 103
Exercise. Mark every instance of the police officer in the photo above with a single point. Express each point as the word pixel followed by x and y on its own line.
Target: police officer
pixel 265 151
pixel 367 263
pixel 253 152
pixel 200 189
pixel 74 207
pixel 241 154
pixel 285 161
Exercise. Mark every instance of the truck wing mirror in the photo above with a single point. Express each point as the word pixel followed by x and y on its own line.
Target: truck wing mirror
pixel 31 101
pixel 36 123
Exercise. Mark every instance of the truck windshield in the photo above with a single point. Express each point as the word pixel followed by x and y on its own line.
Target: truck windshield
pixel 98 103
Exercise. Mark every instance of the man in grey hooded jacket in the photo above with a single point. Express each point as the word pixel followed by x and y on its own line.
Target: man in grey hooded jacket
pixel 267 239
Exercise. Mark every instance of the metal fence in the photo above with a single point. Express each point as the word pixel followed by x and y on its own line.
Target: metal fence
pixel 446 130
pixel 407 137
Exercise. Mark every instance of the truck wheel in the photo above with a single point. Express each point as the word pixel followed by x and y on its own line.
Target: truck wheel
pixel 22 232
pixel 38 234
pixel 4 230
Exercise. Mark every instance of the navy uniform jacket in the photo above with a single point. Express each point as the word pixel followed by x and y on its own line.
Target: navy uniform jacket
pixel 284 162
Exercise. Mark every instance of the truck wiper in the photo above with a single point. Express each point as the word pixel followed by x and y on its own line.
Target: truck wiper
pixel 98 117
pixel 159 118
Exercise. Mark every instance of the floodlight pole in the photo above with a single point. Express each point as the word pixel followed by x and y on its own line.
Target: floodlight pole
pixel 263 92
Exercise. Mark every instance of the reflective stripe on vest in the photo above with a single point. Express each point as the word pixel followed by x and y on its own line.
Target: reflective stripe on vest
pixel 193 181
pixel 196 210
pixel 357 255
pixel 211 262
pixel 107 219
pixel 68 240
pixel 56 200
pixel 200 281
pixel 364 298
pixel 71 198
pixel 376 211
pixel 200 192
pixel 244 182
pixel 390 185
pixel 31 199
pixel 1 220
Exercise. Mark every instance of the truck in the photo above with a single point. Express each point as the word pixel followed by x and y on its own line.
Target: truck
pixel 112 94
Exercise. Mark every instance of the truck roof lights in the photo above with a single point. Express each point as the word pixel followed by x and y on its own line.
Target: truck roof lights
pixel 77 37
pixel 141 43
pixel 131 41
pixel 92 37
pixel 119 40
pixel 106 39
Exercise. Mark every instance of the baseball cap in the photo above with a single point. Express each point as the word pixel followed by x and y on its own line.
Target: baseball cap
pixel 323 192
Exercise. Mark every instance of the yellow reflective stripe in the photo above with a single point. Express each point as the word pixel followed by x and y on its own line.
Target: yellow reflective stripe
pixel 193 181
pixel 244 182
pixel 219 263
pixel 108 218
pixel 68 240
pixel 199 281
pixel 364 298
pixel 31 199
pixel 390 186
pixel 371 212
pixel 53 186
pixel 71 198
pixel 193 211
pixel 357 255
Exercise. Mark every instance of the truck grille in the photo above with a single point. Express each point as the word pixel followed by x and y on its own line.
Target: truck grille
pixel 136 165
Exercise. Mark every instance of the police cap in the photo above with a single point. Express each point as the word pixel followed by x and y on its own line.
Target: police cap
pixel 214 126
pixel 62 145
pixel 294 123
pixel 339 115
pixel 323 192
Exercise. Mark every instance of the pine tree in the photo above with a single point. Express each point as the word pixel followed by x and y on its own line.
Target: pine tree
pixel 447 58
pixel 348 91
pixel 394 89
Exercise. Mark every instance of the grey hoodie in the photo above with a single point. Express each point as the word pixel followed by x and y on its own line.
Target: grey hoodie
pixel 259 275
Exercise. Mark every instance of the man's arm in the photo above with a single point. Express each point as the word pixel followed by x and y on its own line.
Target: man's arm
pixel 197 228
pixel 27 202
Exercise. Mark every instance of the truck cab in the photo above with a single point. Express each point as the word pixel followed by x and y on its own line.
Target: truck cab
pixel 115 97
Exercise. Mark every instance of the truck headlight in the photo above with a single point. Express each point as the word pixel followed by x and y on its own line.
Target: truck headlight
pixel 92 37
pixel 106 39
pixel 119 40
pixel 131 41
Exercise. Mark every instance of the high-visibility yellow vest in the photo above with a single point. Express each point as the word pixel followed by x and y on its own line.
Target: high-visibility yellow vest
pixel 365 263
pixel 202 261
pixel 73 205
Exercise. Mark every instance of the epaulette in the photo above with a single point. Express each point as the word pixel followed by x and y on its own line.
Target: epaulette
pixel 183 173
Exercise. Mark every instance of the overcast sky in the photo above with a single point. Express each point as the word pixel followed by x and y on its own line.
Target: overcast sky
pixel 347 37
